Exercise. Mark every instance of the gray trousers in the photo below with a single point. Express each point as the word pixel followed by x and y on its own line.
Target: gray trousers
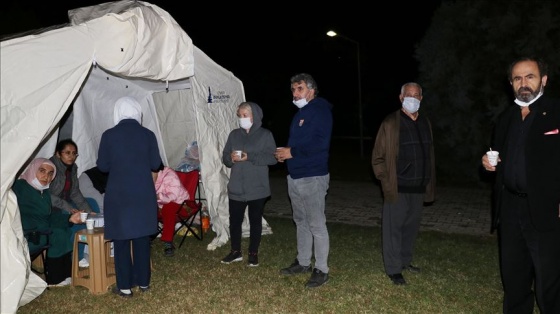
pixel 400 225
pixel 308 205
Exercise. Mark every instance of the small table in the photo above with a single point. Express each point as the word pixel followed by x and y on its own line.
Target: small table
pixel 100 274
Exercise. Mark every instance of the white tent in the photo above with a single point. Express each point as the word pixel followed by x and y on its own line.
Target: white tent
pixel 108 51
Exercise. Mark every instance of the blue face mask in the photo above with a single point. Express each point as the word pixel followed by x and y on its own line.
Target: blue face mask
pixel 411 104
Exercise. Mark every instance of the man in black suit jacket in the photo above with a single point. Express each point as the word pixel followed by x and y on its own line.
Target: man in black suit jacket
pixel 527 192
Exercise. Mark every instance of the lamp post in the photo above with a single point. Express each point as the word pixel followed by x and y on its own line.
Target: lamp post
pixel 360 117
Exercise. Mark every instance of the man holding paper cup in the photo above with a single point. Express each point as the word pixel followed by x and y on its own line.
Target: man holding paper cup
pixel 527 192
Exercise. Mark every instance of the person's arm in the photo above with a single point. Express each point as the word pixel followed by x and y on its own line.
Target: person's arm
pixel 265 150
pixel 378 157
pixel 227 152
pixel 61 203
pixel 76 194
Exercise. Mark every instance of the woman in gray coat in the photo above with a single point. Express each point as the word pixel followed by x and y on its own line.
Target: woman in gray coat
pixel 249 151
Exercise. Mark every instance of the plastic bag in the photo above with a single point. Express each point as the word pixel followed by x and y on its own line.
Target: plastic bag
pixel 190 162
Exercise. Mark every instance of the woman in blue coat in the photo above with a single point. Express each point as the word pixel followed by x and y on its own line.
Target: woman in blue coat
pixel 129 153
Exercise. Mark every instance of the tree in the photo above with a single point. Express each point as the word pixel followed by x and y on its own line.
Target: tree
pixel 463 61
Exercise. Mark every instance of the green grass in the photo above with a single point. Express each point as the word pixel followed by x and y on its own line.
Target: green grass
pixel 459 275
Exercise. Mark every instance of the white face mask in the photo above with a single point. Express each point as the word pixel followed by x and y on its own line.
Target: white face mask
pixel 38 185
pixel 526 104
pixel 300 103
pixel 411 104
pixel 245 123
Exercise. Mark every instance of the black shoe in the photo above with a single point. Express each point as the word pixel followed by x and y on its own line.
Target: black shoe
pixel 253 259
pixel 233 256
pixel 144 289
pixel 169 249
pixel 397 279
pixel 318 278
pixel 295 269
pixel 118 292
pixel 413 269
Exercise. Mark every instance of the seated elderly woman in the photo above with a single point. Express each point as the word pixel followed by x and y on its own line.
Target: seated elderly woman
pixel 171 193
pixel 37 213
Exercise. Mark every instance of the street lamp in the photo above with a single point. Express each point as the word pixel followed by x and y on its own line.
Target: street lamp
pixel 360 117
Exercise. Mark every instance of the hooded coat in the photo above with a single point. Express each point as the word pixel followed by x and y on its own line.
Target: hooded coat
pixel 249 179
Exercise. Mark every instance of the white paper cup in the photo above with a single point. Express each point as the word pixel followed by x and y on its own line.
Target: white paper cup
pixel 492 157
pixel 238 153
pixel 83 216
pixel 89 224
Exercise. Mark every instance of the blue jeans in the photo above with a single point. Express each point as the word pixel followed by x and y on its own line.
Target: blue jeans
pixel 308 205
pixel 75 228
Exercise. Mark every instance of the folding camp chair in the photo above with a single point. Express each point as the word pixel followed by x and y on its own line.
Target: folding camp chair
pixel 40 252
pixel 187 212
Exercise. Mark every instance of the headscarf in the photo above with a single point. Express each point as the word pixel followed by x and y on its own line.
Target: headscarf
pixel 30 173
pixel 127 108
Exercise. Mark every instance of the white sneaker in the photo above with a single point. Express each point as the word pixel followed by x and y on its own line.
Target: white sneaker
pixel 83 263
pixel 64 283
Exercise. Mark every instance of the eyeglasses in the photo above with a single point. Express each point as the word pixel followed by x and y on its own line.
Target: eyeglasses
pixel 75 154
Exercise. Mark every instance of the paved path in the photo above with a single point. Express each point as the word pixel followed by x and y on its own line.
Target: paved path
pixel 456 210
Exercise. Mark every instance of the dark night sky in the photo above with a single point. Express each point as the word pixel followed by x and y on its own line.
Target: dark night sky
pixel 264 46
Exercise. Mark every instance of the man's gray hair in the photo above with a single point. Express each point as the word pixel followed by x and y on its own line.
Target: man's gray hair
pixel 308 79
pixel 411 84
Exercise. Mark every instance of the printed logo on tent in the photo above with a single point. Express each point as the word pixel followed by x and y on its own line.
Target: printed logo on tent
pixel 218 97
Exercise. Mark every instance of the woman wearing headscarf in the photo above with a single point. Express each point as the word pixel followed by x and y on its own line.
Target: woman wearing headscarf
pixel 249 184
pixel 129 153
pixel 37 213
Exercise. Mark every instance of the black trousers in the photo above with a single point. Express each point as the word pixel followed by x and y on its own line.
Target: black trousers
pixel 59 269
pixel 236 215
pixel 528 259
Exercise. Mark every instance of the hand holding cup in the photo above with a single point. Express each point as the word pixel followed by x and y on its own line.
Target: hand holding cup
pixel 492 157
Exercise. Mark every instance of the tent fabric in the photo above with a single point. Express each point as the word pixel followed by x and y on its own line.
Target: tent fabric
pixel 123 48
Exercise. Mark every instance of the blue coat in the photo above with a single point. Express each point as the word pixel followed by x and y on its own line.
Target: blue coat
pixel 310 140
pixel 129 153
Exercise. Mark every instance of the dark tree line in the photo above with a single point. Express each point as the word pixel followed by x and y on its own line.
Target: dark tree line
pixel 464 57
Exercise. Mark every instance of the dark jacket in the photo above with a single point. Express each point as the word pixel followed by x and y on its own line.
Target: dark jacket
pixel 129 153
pixel 385 155
pixel 542 161
pixel 310 140
pixel 249 179
pixel 57 187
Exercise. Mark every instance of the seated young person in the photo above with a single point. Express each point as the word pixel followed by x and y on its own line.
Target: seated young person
pixel 37 213
pixel 65 188
pixel 170 192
